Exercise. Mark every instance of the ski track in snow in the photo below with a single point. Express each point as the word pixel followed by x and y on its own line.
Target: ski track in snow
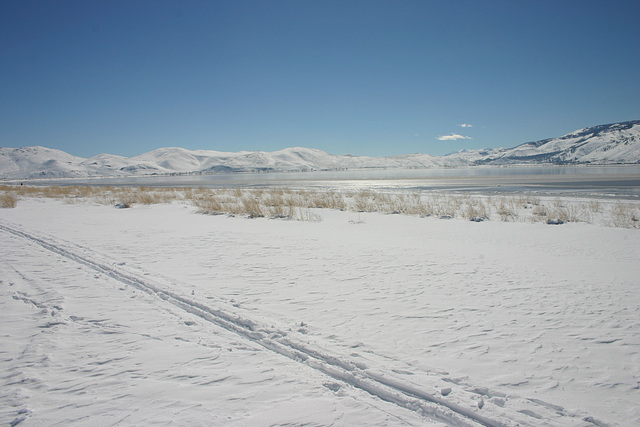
pixel 345 371
pixel 108 343
pixel 405 385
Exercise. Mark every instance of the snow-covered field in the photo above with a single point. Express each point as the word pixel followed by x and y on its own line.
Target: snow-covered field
pixel 157 314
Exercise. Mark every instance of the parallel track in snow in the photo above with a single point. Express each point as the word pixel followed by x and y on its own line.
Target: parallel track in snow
pixel 346 372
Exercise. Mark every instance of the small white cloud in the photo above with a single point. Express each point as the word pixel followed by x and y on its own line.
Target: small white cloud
pixel 465 125
pixel 452 137
pixel 417 134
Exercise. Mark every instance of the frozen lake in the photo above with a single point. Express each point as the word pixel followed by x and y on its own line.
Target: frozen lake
pixel 601 181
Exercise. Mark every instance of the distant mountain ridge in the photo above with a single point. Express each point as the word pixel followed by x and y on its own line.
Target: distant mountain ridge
pixel 616 143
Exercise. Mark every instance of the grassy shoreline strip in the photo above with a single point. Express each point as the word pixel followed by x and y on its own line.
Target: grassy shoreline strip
pixel 302 204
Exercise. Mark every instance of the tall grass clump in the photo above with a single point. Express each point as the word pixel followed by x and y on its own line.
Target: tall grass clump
pixel 415 205
pixel 208 204
pixel 256 203
pixel 475 209
pixel 323 200
pixel 571 213
pixel 8 200
pixel 506 209
pixel 363 201
pixel 625 215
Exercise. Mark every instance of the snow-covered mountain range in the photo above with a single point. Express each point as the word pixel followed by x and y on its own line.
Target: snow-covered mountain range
pixel 617 143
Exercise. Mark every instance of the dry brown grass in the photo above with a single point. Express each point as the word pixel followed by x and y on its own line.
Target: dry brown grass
pixel 8 200
pixel 625 215
pixel 299 204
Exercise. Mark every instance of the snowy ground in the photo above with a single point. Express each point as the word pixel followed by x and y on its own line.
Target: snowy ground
pixel 156 314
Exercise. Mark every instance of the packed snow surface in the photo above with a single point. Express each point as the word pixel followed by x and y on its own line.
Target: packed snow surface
pixel 156 314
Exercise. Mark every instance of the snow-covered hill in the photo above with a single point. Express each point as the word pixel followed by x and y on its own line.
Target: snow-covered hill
pixel 617 143
pixel 33 162
pixel 42 162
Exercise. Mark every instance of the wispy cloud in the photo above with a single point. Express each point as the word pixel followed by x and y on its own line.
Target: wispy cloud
pixel 452 137
pixel 465 125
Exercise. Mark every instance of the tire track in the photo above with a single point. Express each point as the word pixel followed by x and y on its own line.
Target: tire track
pixel 384 387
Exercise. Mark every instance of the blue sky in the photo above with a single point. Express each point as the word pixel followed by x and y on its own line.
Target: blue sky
pixel 362 77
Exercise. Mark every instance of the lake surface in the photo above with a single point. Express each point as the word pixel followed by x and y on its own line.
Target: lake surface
pixel 604 181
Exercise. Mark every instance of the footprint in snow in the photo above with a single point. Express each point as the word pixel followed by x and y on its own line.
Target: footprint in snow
pixel 332 386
